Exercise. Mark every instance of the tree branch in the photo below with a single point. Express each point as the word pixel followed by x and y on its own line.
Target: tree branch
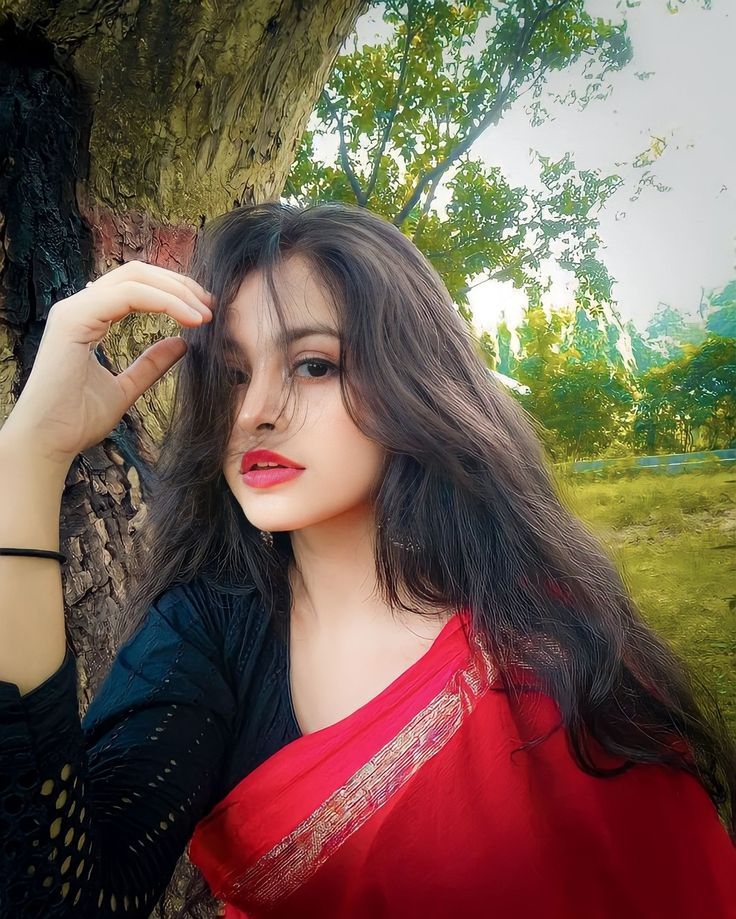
pixel 499 272
pixel 344 158
pixel 400 87
pixel 289 190
pixel 425 210
pixel 492 277
pixel 430 196
pixel 492 116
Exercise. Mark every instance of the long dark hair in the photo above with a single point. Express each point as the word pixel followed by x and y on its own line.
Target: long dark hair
pixel 466 478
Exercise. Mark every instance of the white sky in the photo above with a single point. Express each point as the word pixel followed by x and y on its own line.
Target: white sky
pixel 666 245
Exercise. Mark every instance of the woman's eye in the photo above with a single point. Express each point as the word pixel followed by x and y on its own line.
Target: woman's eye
pixel 238 376
pixel 322 368
pixel 317 369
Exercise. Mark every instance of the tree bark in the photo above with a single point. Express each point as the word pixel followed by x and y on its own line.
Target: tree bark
pixel 123 128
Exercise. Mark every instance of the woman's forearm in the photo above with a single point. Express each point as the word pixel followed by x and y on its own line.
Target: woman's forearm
pixel 32 639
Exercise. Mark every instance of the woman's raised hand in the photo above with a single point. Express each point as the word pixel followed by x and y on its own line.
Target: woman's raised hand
pixel 70 401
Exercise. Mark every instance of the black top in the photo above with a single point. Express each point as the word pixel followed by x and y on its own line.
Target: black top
pixel 94 815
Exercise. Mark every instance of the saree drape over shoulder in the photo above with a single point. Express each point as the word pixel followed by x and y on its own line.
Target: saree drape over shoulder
pixel 413 806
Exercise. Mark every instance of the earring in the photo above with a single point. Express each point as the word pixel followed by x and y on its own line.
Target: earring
pixel 266 538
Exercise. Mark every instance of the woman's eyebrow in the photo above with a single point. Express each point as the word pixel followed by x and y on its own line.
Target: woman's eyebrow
pixel 288 336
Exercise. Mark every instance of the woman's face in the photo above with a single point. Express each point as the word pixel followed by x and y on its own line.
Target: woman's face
pixel 341 465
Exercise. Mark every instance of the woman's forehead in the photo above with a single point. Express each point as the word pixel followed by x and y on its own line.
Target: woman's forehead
pixel 279 338
pixel 307 308
pixel 297 282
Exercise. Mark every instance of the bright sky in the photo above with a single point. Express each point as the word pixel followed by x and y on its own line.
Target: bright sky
pixel 666 245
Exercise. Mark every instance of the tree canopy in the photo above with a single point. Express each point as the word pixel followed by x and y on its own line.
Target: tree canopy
pixel 406 112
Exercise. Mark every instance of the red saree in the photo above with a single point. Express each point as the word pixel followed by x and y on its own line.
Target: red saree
pixel 413 807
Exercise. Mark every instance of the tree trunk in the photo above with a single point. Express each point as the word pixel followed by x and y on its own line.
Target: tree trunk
pixel 123 128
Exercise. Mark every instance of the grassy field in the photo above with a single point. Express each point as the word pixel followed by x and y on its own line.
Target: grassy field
pixel 663 532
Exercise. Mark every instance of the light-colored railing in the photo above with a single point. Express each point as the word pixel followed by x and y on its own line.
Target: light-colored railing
pixel 668 463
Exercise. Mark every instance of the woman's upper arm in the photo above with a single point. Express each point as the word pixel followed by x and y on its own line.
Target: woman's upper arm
pixel 102 809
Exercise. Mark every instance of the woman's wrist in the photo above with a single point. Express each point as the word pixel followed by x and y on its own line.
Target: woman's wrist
pixel 21 453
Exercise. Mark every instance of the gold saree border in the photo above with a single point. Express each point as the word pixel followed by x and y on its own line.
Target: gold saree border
pixel 292 861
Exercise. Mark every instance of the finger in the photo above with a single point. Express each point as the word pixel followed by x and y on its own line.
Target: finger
pixel 150 367
pixel 170 282
pixel 195 286
pixel 141 271
pixel 88 315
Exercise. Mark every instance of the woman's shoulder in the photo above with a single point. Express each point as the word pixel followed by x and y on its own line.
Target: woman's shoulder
pixel 178 653
pixel 207 606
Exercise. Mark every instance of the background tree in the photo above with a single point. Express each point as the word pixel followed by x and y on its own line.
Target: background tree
pixel 690 402
pixel 594 338
pixel 664 410
pixel 588 407
pixel 665 331
pixel 506 359
pixel 591 403
pixel 406 112
pixel 721 318
pixel 645 354
pixel 123 128
pixel 709 378
pixel 584 405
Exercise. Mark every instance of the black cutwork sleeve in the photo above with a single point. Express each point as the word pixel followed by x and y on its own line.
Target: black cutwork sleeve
pixel 95 814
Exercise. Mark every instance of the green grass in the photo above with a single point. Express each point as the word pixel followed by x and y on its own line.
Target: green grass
pixel 662 531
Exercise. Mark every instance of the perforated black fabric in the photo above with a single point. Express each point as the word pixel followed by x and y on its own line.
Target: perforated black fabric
pixel 95 814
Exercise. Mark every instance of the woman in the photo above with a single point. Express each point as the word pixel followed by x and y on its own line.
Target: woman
pixel 395 677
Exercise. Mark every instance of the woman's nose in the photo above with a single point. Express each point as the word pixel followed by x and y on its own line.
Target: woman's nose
pixel 261 401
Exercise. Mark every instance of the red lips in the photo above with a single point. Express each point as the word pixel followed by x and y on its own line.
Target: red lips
pixel 265 456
